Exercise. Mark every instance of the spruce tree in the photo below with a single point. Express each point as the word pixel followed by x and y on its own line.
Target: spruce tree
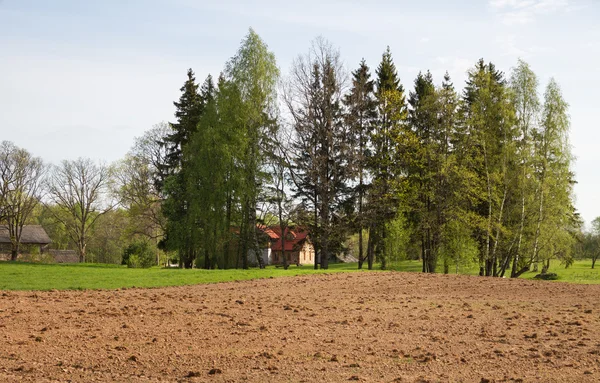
pixel 321 167
pixel 384 163
pixel 488 114
pixel 172 174
pixel 425 167
pixel 360 117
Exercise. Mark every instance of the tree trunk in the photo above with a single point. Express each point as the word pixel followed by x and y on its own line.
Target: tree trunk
pixel 360 213
pixel 325 231
pixel 534 256
pixel 225 262
pixel 383 247
pixel 360 249
pixel 521 227
pixel 206 259
pixel 285 262
pixel 423 255
pixel 370 245
pixel 81 253
pixel 497 238
pixel 244 239
pixel 316 226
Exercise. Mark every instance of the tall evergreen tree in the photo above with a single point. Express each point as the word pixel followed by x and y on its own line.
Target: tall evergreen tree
pixel 489 118
pixel 426 167
pixel 360 117
pixel 172 175
pixel 386 136
pixel 321 169
pixel 188 111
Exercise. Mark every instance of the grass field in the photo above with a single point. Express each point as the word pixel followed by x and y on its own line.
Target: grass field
pixel 36 276
pixel 31 276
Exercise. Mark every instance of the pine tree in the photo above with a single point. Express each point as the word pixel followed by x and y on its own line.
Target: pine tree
pixel 360 118
pixel 426 167
pixel 322 164
pixel 489 119
pixel 172 175
pixel 383 198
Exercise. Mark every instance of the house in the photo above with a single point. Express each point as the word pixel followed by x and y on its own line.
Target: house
pixel 298 248
pixel 34 239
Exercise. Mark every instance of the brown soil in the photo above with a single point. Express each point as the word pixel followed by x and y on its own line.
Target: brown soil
pixel 375 327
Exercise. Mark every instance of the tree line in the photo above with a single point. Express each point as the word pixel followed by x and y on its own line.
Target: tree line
pixel 481 175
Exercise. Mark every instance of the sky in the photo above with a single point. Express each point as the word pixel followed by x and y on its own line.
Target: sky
pixel 84 78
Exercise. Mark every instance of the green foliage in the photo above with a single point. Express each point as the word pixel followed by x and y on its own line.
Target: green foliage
pixel 139 254
pixel 458 251
pixel 361 116
pixel 389 140
pixel 323 166
pixel 398 239
pixel 547 276
pixel 482 180
pixel 20 190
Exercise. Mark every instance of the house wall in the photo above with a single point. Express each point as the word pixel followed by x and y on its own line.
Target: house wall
pixel 292 257
pixel 26 253
pixel 307 254
pixel 64 256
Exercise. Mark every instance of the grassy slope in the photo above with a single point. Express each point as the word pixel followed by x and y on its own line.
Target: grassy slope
pixel 25 276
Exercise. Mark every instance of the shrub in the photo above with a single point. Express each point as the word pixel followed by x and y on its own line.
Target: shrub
pixel 138 254
pixel 547 276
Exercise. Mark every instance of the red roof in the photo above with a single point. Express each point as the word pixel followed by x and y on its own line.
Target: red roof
pixel 293 241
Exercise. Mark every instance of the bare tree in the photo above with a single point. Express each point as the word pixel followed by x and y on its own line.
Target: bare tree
pixel 20 190
pixel 79 189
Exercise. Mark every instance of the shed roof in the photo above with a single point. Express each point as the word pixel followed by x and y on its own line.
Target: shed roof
pixel 32 234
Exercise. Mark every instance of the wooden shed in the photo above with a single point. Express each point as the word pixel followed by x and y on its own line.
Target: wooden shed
pixel 33 236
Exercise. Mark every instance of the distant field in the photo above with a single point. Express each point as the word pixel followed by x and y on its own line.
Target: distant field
pixel 26 276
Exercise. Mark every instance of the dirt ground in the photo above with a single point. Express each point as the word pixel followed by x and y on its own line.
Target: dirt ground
pixel 375 327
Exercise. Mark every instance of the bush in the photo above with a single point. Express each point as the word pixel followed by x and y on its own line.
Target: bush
pixel 138 254
pixel 547 276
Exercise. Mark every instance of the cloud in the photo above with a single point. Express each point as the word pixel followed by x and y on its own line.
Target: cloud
pixel 520 12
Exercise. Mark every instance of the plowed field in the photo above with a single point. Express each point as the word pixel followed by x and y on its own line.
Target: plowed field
pixel 373 327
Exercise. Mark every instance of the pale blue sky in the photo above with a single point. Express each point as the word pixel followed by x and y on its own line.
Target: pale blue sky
pixel 83 78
